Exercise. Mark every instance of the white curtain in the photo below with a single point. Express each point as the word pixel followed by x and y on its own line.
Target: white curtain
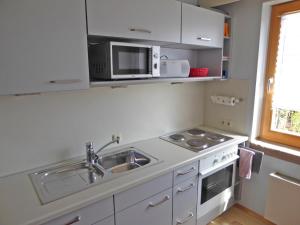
pixel 287 76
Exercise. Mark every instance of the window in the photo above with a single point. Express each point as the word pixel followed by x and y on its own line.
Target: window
pixel 281 115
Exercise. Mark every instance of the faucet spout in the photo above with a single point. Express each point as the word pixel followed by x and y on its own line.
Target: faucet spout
pixel 115 139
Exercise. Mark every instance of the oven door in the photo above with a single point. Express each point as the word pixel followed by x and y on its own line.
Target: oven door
pixel 130 60
pixel 215 182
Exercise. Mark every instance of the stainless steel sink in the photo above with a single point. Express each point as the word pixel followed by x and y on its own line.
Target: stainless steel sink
pixel 68 178
pixel 124 161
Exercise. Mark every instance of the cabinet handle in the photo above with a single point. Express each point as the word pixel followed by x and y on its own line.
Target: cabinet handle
pixel 180 173
pixel 190 216
pixel 69 81
pixel 75 220
pixel 166 198
pixel 186 188
pixel 140 30
pixel 204 38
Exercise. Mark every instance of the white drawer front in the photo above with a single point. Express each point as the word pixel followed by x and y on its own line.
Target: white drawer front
pixel 142 192
pixel 187 218
pixel 108 221
pixel 185 172
pixel 185 201
pixel 156 210
pixel 87 215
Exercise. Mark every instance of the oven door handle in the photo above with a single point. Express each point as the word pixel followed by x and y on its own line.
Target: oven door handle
pixel 219 166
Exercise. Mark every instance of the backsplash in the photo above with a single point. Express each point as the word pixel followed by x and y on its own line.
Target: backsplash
pixel 238 115
pixel 47 128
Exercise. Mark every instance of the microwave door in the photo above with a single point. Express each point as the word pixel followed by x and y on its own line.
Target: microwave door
pixel 131 62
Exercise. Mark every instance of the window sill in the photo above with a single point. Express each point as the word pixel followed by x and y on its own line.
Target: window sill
pixel 277 151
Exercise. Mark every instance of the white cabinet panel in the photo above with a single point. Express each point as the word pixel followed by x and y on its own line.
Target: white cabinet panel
pixel 185 202
pixel 156 210
pixel 142 192
pixel 185 172
pixel 139 19
pixel 108 221
pixel 43 46
pixel 88 215
pixel 202 26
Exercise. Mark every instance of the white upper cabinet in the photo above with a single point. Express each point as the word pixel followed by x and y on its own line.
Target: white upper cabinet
pixel 202 26
pixel 43 46
pixel 137 19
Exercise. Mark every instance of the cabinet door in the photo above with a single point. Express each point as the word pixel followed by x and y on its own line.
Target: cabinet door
pixel 101 211
pixel 202 26
pixel 185 202
pixel 156 210
pixel 43 46
pixel 139 19
pixel 108 221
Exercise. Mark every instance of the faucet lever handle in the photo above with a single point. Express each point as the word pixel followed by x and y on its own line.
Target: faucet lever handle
pixel 89 146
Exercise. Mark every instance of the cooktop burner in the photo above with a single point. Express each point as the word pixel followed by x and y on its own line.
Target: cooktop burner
pixel 195 139
pixel 215 137
pixel 177 137
pixel 197 143
pixel 196 132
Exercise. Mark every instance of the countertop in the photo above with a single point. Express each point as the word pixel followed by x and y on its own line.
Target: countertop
pixel 19 203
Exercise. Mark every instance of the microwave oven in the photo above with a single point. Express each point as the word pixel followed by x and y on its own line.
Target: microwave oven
pixel 118 60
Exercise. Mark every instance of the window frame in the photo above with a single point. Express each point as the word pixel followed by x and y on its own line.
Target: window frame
pixel 265 129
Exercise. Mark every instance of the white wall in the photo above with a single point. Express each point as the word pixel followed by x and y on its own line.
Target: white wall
pixel 245 44
pixel 42 129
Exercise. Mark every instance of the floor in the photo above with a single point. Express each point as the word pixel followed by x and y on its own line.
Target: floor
pixel 238 215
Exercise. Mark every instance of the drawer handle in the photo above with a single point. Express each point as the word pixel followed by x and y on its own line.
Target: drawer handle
pixel 204 38
pixel 166 198
pixel 190 216
pixel 69 81
pixel 186 172
pixel 186 188
pixel 140 30
pixel 75 220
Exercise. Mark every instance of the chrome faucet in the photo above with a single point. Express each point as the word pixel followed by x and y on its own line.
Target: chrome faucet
pixel 92 156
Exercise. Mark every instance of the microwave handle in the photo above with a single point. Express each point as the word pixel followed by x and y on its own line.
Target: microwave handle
pixel 66 81
pixel 140 30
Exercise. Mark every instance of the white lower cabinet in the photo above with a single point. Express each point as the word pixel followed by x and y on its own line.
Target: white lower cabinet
pixel 100 213
pixel 108 221
pixel 156 210
pixel 185 202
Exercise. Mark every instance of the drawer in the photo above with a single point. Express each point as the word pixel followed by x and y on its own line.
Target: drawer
pixel 185 197
pixel 142 192
pixel 87 215
pixel 156 210
pixel 185 172
pixel 187 218
pixel 108 221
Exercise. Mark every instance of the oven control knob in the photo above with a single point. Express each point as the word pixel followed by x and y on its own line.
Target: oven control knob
pixel 215 161
pixel 155 56
pixel 224 157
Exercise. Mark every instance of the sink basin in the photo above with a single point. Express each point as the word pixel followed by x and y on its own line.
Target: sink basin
pixel 56 182
pixel 68 178
pixel 124 161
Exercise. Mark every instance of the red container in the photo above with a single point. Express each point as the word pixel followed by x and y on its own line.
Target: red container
pixel 198 72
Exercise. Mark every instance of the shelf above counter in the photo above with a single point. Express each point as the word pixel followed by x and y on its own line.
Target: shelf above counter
pixel 124 83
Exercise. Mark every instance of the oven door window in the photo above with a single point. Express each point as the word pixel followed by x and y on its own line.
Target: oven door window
pixel 216 183
pixel 131 60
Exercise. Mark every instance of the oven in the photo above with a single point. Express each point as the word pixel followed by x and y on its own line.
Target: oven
pixel 216 184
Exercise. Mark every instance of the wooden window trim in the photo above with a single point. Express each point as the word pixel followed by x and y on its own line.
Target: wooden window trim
pixel 265 130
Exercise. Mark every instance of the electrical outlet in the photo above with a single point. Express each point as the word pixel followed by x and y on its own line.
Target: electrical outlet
pixel 226 123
